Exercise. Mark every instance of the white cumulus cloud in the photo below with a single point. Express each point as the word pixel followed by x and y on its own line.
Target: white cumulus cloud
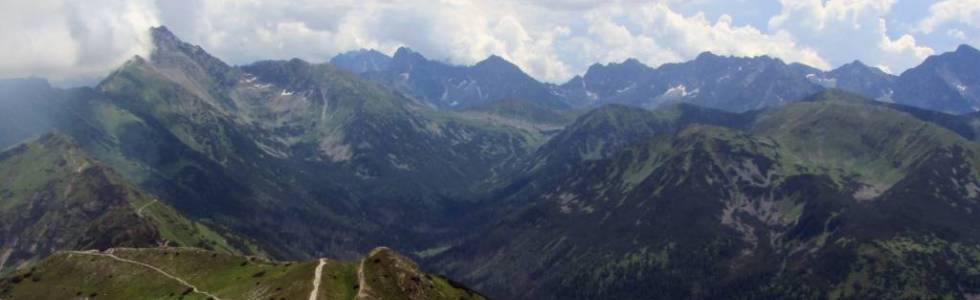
pixel 72 41
pixel 947 11
pixel 656 34
pixel 845 30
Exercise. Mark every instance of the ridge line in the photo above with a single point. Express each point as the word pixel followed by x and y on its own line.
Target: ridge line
pixel 149 266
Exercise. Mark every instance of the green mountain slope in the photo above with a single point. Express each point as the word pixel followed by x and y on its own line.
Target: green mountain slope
pixel 845 136
pixel 362 134
pixel 519 109
pixel 56 197
pixel 186 273
pixel 605 131
pixel 280 150
pixel 802 201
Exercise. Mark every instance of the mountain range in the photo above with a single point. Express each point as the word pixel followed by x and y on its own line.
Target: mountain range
pixel 444 85
pixel 718 178
pixel 945 82
pixel 806 200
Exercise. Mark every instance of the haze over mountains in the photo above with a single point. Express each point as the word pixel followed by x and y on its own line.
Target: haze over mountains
pixel 718 178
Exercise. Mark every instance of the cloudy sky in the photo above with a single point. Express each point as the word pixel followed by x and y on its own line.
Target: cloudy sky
pixel 76 42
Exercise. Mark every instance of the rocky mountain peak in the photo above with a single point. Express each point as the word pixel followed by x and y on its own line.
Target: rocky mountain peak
pixel 967 49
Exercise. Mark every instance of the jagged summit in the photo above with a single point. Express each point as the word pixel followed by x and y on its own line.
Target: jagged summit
pixel 165 41
pixel 948 82
pixel 495 63
pixel 855 63
pixel 632 62
pixel 495 59
pixel 404 50
pixel 407 54
pixel 446 85
pixel 362 61
pixel 964 48
pixel 371 51
pixel 859 66
pixel 162 33
pixel 706 55
pixel 592 67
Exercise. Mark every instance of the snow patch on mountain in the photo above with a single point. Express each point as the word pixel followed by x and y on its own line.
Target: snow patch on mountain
pixel 679 91
pixel 887 96
pixel 960 88
pixel 822 81
pixel 592 96
pixel 626 89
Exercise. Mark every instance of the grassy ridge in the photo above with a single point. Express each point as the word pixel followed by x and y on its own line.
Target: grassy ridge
pixel 56 197
pixel 188 273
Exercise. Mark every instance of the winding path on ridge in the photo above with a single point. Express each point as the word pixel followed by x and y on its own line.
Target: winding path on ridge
pixel 139 211
pixel 151 267
pixel 317 274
